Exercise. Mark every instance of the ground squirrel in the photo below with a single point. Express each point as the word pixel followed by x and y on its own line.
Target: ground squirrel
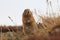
pixel 29 23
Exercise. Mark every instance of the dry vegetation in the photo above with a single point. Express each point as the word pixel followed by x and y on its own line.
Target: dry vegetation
pixel 48 30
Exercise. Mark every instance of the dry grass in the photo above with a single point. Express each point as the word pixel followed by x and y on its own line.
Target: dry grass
pixel 48 30
pixel 43 33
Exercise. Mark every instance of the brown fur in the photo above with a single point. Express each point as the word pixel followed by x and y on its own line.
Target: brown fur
pixel 28 21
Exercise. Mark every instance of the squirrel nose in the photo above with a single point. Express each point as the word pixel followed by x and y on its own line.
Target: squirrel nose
pixel 27 12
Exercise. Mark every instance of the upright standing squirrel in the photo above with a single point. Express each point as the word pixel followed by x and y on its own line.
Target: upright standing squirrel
pixel 29 24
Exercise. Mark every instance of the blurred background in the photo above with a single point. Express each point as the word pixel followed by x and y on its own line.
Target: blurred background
pixel 15 8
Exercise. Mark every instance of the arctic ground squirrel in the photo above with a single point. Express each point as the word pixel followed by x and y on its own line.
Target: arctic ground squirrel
pixel 29 23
